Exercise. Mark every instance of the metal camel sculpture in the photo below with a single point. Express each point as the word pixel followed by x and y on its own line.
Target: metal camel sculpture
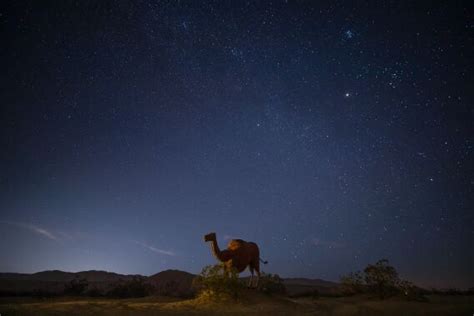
pixel 238 255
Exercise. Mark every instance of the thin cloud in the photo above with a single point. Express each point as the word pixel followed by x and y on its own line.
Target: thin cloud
pixel 74 235
pixel 155 250
pixel 33 228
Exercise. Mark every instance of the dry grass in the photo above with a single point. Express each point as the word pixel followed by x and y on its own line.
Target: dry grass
pixel 249 303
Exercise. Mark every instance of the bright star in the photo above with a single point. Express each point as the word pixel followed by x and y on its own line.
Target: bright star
pixel 349 34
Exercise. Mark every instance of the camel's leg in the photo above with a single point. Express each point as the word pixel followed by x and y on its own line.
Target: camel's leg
pixel 257 279
pixel 228 268
pixel 257 269
pixel 251 277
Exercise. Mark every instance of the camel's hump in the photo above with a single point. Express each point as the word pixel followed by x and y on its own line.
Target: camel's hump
pixel 235 243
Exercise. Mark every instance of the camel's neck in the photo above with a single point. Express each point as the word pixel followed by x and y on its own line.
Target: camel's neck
pixel 216 251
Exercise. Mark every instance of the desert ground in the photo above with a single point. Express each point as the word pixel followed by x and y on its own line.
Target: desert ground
pixel 249 303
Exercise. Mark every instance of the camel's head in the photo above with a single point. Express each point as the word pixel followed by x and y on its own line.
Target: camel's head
pixel 210 237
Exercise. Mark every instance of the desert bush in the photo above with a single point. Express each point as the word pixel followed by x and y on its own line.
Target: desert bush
pixel 76 286
pixel 382 279
pixel 174 289
pixel 93 292
pixel 170 288
pixel 411 292
pixel 137 287
pixel 215 283
pixel 453 291
pixel 271 284
pixel 353 283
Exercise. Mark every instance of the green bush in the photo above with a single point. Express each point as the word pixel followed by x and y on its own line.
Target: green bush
pixel 216 284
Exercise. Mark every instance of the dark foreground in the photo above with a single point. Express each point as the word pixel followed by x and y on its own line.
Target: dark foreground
pixel 249 304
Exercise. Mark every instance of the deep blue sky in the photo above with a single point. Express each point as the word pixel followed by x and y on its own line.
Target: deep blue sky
pixel 332 134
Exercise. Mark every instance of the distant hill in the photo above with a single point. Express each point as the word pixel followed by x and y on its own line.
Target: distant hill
pixel 169 282
pixel 53 282
pixel 61 276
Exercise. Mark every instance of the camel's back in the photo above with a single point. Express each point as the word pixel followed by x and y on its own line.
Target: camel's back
pixel 253 249
pixel 235 244
pixel 246 248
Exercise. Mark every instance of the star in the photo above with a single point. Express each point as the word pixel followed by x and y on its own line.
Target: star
pixel 349 34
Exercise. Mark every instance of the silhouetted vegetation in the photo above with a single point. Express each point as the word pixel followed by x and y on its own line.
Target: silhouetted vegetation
pixel 380 279
pixel 453 291
pixel 353 283
pixel 173 289
pixel 137 287
pixel 170 288
pixel 93 291
pixel 271 284
pixel 215 283
pixel 76 286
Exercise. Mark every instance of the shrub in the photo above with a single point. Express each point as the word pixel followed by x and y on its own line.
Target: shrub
pixel 271 284
pixel 76 286
pixel 353 283
pixel 169 288
pixel 410 291
pixel 453 291
pixel 137 287
pixel 215 283
pixel 381 278
pixel 93 292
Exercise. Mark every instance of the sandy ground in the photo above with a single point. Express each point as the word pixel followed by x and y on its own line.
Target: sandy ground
pixel 250 304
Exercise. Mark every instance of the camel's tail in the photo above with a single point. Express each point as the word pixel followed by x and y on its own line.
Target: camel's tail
pixel 262 261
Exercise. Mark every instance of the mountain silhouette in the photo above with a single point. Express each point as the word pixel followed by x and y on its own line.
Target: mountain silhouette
pixel 168 282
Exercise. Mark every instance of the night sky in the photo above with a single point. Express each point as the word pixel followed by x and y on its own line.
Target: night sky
pixel 332 134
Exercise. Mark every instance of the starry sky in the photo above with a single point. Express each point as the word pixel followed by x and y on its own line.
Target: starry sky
pixel 333 134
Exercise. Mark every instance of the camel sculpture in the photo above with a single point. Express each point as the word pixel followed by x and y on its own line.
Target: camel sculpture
pixel 238 255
